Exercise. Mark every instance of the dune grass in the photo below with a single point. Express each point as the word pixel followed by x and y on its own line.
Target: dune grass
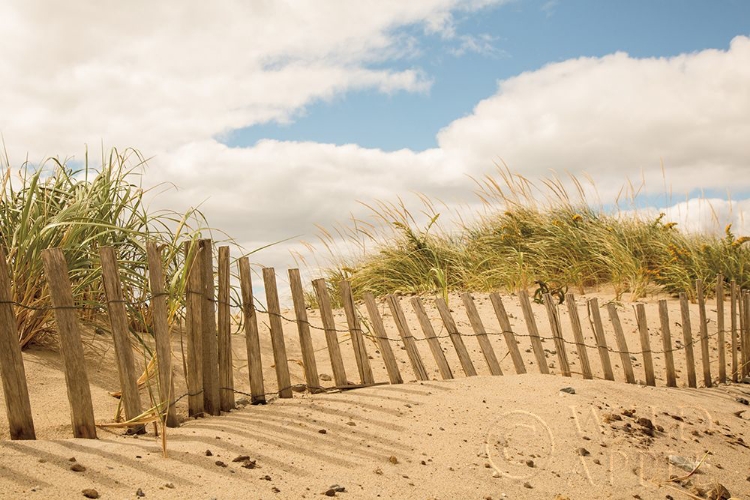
pixel 80 210
pixel 526 234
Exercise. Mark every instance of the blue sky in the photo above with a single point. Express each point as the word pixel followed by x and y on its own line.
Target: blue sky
pixel 526 35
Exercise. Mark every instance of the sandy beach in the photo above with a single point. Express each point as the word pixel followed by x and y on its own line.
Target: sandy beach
pixel 510 436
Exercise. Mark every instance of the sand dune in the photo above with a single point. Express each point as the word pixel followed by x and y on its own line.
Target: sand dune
pixel 512 436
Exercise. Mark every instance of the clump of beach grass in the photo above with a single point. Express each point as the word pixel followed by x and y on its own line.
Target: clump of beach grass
pixel 80 210
pixel 525 234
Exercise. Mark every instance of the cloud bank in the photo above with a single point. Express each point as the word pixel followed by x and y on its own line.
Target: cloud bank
pixel 170 81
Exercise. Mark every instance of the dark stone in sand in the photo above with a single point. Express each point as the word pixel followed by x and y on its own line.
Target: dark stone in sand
pixel 645 422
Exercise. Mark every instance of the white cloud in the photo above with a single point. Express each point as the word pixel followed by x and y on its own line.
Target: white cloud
pixel 549 7
pixel 615 116
pixel 711 215
pixel 483 44
pixel 169 78
pixel 163 74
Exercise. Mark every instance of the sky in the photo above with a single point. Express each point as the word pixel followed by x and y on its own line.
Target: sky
pixel 277 117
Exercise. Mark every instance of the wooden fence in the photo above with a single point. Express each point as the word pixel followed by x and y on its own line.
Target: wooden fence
pixel 209 370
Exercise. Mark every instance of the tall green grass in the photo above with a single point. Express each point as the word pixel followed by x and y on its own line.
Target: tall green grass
pixel 527 233
pixel 80 210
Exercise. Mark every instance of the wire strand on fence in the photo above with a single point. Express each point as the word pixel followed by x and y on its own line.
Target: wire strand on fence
pixel 398 341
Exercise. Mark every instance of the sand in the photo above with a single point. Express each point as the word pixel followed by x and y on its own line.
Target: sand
pixel 510 436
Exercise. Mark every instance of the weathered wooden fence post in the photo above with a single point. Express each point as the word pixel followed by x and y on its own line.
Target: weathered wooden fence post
pixel 720 327
pixel 484 342
pixel 687 335
pixel 432 340
pixel 226 371
pixel 16 392
pixel 329 326
pixel 355 331
pixel 648 363
pixel 252 338
pixel 622 345
pixel 508 335
pixel 601 340
pixel 743 328
pixel 556 328
pixel 411 347
pixel 382 339
pixel 277 334
pixel 455 335
pixel 194 327
pixel 666 342
pixel 746 336
pixel 211 402
pixel 733 325
pixel 704 334
pixel 118 319
pixel 575 323
pixel 161 332
pixel 536 342
pixel 71 348
pixel 303 328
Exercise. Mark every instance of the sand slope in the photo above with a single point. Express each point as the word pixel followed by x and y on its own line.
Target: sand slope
pixel 478 437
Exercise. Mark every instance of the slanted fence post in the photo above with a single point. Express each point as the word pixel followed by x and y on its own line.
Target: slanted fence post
pixel 252 337
pixel 355 331
pixel 162 337
pixel 601 340
pixel 303 328
pixel 16 391
pixel 455 335
pixel 484 342
pixel 622 345
pixel 118 319
pixel 71 348
pixel 382 339
pixel 556 328
pixel 432 340
pixel 536 342
pixel 508 335
pixel 575 323
pixel 277 334
pixel 411 347
pixel 329 326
